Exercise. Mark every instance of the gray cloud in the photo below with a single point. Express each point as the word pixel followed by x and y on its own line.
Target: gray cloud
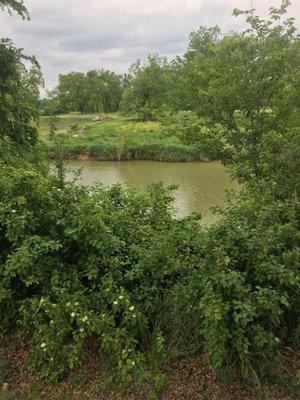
pixel 80 35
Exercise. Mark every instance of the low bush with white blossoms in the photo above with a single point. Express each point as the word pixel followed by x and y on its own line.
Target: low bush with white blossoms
pixel 85 263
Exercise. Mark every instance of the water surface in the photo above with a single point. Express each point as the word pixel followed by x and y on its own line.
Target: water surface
pixel 201 185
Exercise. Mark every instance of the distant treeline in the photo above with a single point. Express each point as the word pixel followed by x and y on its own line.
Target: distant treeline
pixel 95 91
pixel 146 90
pixel 161 86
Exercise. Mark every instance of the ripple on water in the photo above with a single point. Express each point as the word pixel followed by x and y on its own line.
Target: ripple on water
pixel 201 185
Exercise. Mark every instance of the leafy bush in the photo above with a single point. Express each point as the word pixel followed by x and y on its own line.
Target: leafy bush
pixel 244 293
pixel 191 130
pixel 80 263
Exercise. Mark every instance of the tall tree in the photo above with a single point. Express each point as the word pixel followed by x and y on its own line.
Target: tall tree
pixel 247 88
pixel 19 88
pixel 73 92
pixel 18 94
pixel 146 87
pixel 105 89
pixel 95 91
pixel 187 72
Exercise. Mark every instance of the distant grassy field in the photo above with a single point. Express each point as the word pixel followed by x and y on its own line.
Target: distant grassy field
pixel 115 138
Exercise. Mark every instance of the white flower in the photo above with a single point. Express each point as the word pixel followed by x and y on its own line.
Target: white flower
pixel 51 322
pixel 131 308
pixel 115 302
pixel 85 318
pixel 121 297
pixel 76 303
pixel 68 304
pixel 81 329
pixel 51 359
pixel 43 345
pixel 13 211
pixel 73 314
pixel 133 316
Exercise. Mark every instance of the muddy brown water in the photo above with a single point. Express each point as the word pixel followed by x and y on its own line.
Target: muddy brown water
pixel 201 185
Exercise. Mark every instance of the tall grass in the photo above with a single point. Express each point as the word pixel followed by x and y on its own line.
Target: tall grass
pixel 117 138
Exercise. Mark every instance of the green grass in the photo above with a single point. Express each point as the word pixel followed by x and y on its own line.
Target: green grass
pixel 116 138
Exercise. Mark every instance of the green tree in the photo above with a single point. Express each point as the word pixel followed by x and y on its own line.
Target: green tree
pixel 49 105
pixel 73 91
pixel 95 91
pixel 19 87
pixel 248 86
pixel 186 71
pixel 203 41
pixel 105 90
pixel 146 87
pixel 18 94
pixel 15 5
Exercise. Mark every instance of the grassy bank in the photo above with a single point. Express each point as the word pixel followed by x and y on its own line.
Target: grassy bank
pixel 115 138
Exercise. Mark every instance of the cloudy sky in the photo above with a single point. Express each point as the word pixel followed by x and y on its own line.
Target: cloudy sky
pixel 80 35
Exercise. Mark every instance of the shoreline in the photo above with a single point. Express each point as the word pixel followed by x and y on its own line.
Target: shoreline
pixel 115 139
pixel 85 156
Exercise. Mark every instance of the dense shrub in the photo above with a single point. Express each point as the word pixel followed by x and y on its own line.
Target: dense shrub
pixel 80 263
pixel 244 293
pixel 113 265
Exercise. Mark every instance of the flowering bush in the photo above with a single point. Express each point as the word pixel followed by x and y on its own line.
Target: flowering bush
pixel 79 263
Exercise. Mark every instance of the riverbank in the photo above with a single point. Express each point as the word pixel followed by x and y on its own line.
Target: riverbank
pixel 115 138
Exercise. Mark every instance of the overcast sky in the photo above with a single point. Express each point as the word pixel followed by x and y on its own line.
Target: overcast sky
pixel 79 35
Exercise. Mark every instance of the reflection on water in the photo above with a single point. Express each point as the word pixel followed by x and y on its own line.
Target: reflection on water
pixel 201 185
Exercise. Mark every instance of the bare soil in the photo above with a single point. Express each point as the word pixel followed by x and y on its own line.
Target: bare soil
pixel 189 379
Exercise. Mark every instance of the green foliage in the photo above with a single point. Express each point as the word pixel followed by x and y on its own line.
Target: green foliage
pixel 52 127
pixel 243 295
pixel 112 265
pixel 18 94
pixel 203 41
pixel 244 292
pixel 81 263
pixel 95 91
pixel 15 5
pixel 146 88
pixel 192 131
pixel 118 138
pixel 49 105
pixel 250 294
pixel 247 88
